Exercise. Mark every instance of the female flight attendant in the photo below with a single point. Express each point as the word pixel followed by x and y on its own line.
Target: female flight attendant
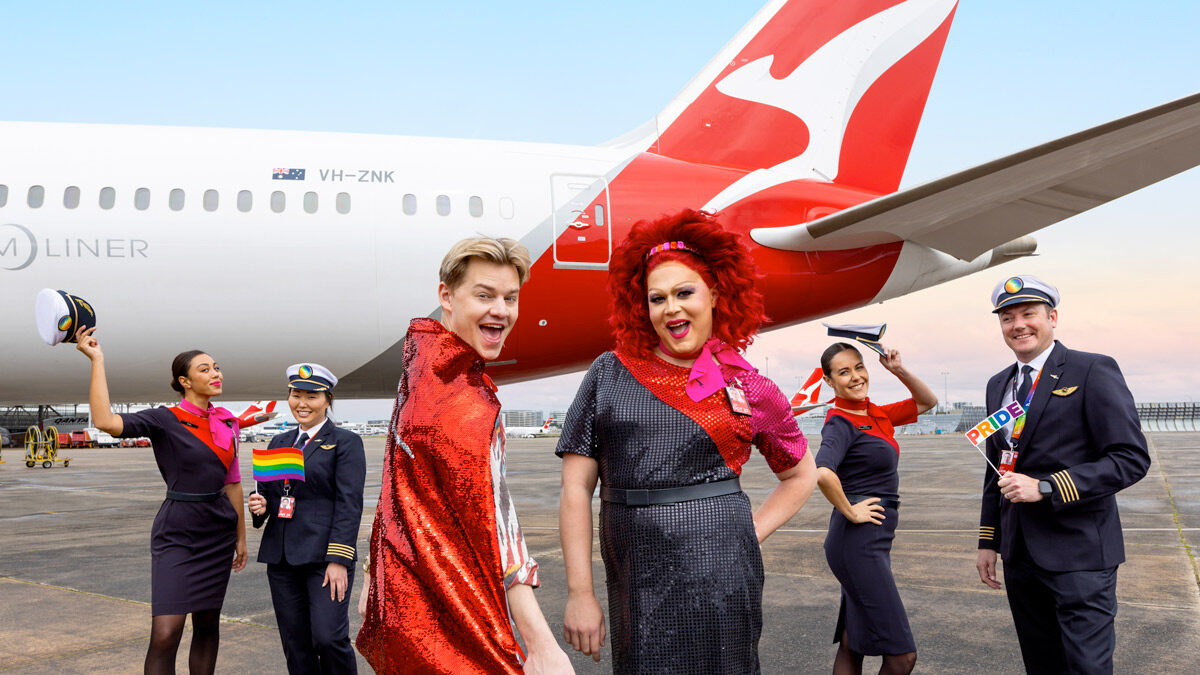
pixel 309 544
pixel 199 534
pixel 856 471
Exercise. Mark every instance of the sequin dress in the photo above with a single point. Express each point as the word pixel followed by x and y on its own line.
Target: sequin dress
pixel 446 544
pixel 863 452
pixel 684 579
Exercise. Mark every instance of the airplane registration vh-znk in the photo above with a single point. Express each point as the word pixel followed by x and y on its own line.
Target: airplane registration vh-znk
pixel 796 135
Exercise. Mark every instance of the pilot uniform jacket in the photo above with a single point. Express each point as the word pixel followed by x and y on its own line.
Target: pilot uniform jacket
pixel 1083 435
pixel 329 501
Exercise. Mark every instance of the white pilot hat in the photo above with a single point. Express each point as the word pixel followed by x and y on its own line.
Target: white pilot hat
pixel 1023 288
pixel 58 315
pixel 310 377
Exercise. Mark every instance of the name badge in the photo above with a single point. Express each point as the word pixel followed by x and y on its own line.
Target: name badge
pixel 286 506
pixel 737 399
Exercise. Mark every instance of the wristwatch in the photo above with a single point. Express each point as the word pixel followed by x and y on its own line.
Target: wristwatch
pixel 1045 488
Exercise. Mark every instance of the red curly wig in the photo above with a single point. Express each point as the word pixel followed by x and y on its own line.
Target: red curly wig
pixel 723 262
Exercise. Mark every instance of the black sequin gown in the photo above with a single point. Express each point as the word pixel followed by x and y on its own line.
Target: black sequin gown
pixel 684 580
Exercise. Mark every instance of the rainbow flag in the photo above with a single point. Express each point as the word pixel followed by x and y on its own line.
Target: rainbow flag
pixel 278 463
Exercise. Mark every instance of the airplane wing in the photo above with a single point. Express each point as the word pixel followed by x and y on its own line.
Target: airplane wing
pixel 973 211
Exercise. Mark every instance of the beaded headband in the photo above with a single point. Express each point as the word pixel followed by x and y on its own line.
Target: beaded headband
pixel 671 246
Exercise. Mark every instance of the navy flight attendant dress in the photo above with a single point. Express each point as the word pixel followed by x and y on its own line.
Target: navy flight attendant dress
pixel 195 532
pixel 863 452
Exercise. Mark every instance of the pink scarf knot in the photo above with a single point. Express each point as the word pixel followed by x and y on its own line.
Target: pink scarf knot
pixel 218 421
pixel 706 378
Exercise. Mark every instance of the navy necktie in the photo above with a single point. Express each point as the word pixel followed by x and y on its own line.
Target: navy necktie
pixel 1026 384
pixel 303 440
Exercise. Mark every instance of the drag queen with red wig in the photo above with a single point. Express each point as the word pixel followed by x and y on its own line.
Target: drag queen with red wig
pixel 666 422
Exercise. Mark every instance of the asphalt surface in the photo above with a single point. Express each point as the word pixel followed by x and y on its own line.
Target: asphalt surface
pixel 75 566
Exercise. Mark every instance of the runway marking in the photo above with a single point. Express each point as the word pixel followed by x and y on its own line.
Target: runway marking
pixel 1175 512
pixel 224 618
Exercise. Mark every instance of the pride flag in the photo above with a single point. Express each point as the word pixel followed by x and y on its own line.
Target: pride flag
pixel 278 463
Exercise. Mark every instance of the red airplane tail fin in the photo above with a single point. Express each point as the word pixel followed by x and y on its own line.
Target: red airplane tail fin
pixel 257 413
pixel 825 90
pixel 808 397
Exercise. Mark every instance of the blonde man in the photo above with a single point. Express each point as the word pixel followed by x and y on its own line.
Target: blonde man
pixel 449 571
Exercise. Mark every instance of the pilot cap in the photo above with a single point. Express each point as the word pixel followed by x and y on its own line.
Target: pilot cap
pixel 310 377
pixel 1023 288
pixel 58 315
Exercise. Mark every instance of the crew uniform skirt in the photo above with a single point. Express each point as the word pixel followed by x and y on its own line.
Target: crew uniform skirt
pixel 871 614
pixel 191 555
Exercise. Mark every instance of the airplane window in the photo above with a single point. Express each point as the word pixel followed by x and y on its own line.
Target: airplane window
pixel 475 206
pixel 409 203
pixel 211 198
pixel 71 197
pixel 310 202
pixel 141 199
pixel 600 215
pixel 175 199
pixel 277 201
pixel 108 197
pixel 443 205
pixel 37 195
pixel 3 195
pixel 506 207
pixel 343 203
pixel 245 201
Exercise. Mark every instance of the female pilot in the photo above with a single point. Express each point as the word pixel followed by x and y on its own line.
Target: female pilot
pixel 312 529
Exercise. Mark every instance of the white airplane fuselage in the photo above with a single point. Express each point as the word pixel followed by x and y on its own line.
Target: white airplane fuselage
pixel 268 248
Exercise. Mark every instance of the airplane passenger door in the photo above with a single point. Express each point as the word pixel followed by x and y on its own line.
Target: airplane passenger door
pixel 582 221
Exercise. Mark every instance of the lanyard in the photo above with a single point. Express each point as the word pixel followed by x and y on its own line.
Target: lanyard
pixel 1019 425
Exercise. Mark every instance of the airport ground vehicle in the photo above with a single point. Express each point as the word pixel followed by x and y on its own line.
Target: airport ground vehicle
pixel 41 447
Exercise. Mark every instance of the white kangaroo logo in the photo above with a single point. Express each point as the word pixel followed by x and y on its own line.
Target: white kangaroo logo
pixel 824 90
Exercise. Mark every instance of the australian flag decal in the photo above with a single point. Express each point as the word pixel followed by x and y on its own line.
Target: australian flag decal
pixel 287 174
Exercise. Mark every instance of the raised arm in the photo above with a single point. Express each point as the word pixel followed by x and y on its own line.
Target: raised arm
pixel 922 395
pixel 98 401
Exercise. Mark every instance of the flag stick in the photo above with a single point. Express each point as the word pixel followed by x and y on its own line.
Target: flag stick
pixel 989 462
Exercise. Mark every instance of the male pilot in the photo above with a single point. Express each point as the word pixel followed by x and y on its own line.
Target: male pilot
pixel 1053 518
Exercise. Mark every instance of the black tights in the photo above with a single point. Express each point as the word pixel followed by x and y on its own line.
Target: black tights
pixel 165 633
pixel 850 662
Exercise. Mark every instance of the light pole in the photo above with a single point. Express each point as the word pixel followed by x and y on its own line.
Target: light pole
pixel 945 391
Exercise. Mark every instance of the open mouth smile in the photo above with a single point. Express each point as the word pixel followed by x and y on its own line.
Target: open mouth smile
pixel 679 329
pixel 492 333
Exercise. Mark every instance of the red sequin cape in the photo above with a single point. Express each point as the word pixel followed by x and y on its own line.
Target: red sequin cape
pixel 436 600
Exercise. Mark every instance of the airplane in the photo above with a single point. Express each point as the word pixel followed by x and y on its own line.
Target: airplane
pixel 528 432
pixel 808 398
pixel 796 135
pixel 258 412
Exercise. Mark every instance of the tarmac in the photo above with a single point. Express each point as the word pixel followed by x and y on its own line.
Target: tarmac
pixel 75 565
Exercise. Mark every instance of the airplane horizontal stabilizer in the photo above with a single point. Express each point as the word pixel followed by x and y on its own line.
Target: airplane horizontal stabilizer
pixel 973 211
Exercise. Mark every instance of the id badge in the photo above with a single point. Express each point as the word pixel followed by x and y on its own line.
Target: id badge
pixel 286 506
pixel 737 399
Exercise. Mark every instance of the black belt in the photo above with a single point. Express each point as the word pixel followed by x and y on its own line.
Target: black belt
pixel 883 501
pixel 670 495
pixel 194 497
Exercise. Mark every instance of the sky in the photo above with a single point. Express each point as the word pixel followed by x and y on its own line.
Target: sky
pixel 1013 74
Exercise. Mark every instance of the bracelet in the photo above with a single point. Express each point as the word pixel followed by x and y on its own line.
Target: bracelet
pixel 367 563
